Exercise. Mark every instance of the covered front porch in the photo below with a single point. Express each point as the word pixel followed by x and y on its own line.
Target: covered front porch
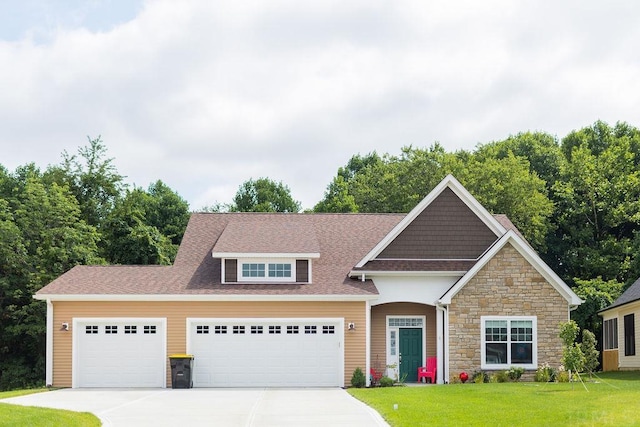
pixel 402 336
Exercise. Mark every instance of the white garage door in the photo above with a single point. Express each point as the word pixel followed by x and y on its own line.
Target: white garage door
pixel 266 353
pixel 119 353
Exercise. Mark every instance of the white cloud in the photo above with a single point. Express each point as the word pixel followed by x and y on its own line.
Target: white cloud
pixel 205 95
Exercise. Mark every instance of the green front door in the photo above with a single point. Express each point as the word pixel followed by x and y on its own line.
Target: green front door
pixel 410 353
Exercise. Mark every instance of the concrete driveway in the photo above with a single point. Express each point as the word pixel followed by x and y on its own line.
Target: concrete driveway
pixel 211 407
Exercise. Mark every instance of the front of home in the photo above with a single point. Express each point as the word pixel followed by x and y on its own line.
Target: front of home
pixel 265 300
pixel 620 327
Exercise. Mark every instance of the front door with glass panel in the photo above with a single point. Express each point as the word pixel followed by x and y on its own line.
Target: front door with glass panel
pixel 410 353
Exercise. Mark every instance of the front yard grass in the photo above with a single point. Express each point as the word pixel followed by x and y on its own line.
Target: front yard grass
pixel 612 399
pixel 27 416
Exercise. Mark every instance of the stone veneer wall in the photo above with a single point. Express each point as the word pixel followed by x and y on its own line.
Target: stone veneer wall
pixel 507 286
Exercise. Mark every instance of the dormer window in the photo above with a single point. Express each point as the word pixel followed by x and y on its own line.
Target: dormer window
pixel 266 270
pixel 251 270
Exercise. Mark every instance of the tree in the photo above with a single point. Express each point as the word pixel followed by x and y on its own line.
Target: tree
pixel 264 195
pixel 92 179
pixel 130 236
pixel 591 353
pixel 597 295
pixel 506 185
pixel 572 356
pixel 597 202
pixel 167 211
pixel 43 236
pixel 541 150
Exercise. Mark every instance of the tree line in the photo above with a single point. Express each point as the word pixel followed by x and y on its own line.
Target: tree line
pixel 576 200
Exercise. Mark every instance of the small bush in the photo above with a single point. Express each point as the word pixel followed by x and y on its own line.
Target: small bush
pixel 386 382
pixel 515 373
pixel 500 377
pixel 562 376
pixel 358 379
pixel 479 377
pixel 545 374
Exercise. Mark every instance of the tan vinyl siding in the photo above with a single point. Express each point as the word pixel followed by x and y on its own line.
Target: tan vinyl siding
pixel 176 314
pixel 379 315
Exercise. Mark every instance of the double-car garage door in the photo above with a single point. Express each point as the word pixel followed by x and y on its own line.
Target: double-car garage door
pixel 266 353
pixel 227 352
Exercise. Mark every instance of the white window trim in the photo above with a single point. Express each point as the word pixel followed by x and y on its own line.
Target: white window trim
pixel 395 358
pixel 483 348
pixel 266 263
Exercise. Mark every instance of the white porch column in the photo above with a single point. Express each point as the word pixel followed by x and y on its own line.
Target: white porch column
pixel 367 341
pixel 442 340
pixel 48 377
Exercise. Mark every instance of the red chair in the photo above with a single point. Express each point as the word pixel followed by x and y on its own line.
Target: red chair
pixel 429 371
pixel 375 377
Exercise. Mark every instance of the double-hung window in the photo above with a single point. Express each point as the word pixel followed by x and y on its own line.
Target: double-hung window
pixel 629 335
pixel 509 341
pixel 610 332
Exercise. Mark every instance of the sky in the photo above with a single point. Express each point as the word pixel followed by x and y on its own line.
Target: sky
pixel 205 95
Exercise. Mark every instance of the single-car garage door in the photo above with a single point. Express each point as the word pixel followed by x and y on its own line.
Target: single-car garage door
pixel 119 353
pixel 266 352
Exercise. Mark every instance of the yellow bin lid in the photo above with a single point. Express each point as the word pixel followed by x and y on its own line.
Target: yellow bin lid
pixel 181 356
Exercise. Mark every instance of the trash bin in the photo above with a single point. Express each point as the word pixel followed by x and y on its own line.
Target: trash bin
pixel 181 367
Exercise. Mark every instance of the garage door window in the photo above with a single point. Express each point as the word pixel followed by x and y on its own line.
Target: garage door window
pixel 256 329
pixel 274 329
pixel 293 329
pixel 110 329
pixel 202 329
pixel 310 329
pixel 238 329
pixel 150 329
pixel 220 329
pixel 328 329
pixel 130 329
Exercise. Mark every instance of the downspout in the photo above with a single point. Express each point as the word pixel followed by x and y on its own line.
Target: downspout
pixel 49 346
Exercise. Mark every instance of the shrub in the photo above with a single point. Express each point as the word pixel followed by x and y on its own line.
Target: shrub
pixel 500 377
pixel 386 382
pixel 479 377
pixel 545 374
pixel 358 379
pixel 591 353
pixel 515 372
pixel 562 376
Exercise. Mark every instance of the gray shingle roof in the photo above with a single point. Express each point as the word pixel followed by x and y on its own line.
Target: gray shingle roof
pixel 630 295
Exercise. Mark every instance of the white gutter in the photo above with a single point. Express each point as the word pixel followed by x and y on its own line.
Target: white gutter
pixel 201 297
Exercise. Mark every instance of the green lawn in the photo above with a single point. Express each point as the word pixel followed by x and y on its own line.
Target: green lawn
pixel 16 415
pixel 611 400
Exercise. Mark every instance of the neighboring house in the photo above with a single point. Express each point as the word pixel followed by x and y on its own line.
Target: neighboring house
pixel 620 321
pixel 305 299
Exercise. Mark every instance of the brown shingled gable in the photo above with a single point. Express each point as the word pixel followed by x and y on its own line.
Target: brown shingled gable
pixel 445 229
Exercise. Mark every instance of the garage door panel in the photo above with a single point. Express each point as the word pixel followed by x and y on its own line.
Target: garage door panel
pixel 119 353
pixel 281 355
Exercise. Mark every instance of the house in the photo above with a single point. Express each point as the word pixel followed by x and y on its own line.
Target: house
pixel 305 299
pixel 619 343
